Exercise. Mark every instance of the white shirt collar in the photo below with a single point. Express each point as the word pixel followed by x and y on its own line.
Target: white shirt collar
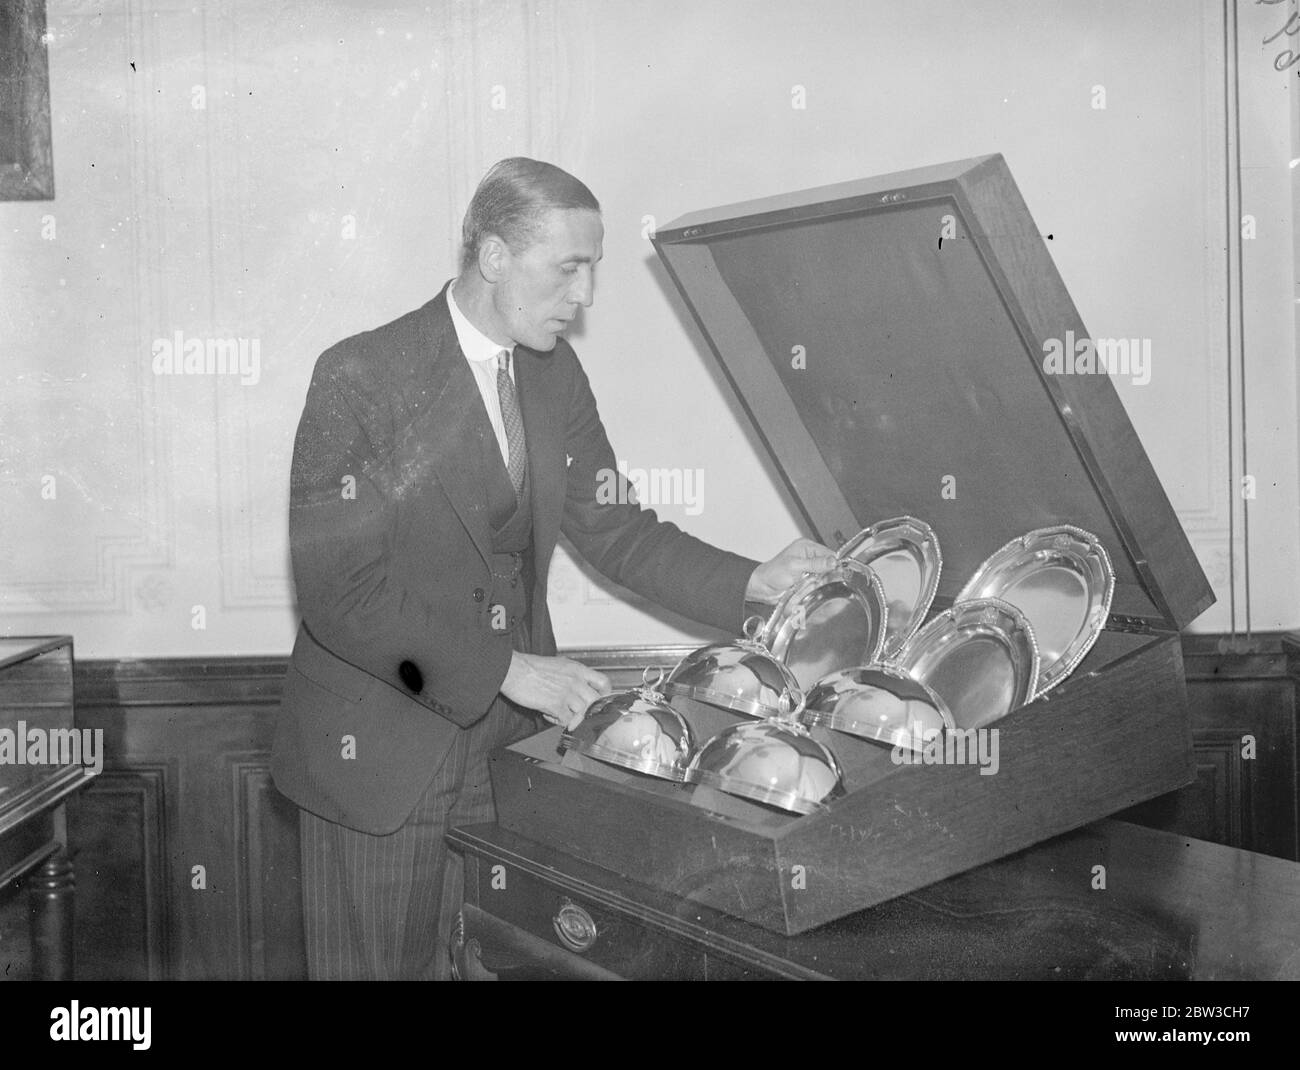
pixel 476 345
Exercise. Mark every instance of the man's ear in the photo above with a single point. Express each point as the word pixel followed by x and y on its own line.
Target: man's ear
pixel 493 258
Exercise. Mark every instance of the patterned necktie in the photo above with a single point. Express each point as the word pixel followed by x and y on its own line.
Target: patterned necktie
pixel 514 423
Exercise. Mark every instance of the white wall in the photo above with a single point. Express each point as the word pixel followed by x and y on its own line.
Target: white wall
pixel 318 191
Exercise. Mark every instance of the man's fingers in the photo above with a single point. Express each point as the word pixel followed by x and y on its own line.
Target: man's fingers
pixel 571 713
pixel 813 556
pixel 597 681
pixel 581 698
pixel 564 689
pixel 570 704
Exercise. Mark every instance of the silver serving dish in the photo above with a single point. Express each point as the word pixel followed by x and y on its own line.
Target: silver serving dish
pixel 904 554
pixel 744 676
pixel 775 762
pixel 829 621
pixel 1062 580
pixel 879 702
pixel 980 657
pixel 636 730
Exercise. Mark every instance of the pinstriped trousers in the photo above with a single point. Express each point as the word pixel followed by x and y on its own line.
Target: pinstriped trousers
pixel 382 907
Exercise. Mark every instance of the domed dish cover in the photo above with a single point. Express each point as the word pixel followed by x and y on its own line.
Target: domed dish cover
pixel 904 554
pixel 743 676
pixel 636 730
pixel 775 762
pixel 980 657
pixel 878 702
pixel 829 621
pixel 1062 579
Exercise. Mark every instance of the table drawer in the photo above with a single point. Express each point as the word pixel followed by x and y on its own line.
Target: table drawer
pixel 556 918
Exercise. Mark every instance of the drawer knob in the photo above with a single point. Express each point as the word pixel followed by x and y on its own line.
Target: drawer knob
pixel 574 927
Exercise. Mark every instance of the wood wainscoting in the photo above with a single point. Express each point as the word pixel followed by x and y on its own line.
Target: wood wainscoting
pixel 187 857
pixel 1243 699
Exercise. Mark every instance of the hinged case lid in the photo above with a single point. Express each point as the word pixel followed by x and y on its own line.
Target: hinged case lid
pixel 889 339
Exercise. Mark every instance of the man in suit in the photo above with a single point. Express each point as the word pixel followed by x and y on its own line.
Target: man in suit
pixel 437 461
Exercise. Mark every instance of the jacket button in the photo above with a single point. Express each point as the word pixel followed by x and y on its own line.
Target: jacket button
pixel 479 594
pixel 411 676
pixel 514 583
pixel 512 620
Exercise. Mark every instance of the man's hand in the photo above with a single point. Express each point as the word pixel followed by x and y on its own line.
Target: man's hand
pixel 770 579
pixel 560 689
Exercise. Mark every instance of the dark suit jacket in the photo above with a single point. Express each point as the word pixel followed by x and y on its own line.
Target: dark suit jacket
pixel 390 544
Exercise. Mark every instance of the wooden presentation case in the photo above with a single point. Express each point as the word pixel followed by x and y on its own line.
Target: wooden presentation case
pixel 886 337
pixel 37 696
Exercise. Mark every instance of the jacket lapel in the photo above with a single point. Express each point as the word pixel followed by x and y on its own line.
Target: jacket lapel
pixel 449 422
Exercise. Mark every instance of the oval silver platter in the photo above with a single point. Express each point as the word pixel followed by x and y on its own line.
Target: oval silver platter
pixel 829 621
pixel 904 553
pixel 979 657
pixel 1061 578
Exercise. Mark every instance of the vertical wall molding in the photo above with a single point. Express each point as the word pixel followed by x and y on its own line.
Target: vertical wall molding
pixel 264 860
pixel 121 561
pixel 471 46
pixel 1234 318
pixel 143 787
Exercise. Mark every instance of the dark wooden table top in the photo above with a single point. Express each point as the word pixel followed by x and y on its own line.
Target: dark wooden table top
pixel 1162 906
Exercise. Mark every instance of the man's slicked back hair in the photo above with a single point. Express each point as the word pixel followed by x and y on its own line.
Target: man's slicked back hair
pixel 514 199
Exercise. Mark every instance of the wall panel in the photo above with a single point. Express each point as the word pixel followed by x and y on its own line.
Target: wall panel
pixel 290 173
pixel 187 783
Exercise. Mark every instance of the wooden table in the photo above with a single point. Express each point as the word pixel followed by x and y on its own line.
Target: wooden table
pixel 1161 907
pixel 33 844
